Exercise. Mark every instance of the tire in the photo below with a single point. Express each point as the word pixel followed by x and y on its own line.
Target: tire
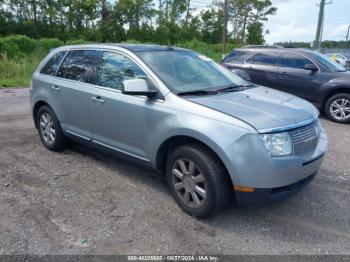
pixel 50 131
pixel 338 103
pixel 216 183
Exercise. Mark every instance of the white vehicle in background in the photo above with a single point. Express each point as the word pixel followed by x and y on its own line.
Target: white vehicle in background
pixel 340 59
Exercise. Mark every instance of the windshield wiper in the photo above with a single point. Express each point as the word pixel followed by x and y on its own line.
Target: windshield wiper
pixel 235 88
pixel 198 92
pixel 231 88
pixel 250 85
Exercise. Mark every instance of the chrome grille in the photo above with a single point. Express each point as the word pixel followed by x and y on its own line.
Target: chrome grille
pixel 304 139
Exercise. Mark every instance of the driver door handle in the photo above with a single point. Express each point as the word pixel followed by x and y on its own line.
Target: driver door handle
pixel 97 99
pixel 55 88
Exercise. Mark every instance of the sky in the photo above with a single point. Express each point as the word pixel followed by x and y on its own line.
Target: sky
pixel 296 20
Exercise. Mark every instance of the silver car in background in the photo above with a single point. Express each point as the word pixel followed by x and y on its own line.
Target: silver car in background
pixel 216 137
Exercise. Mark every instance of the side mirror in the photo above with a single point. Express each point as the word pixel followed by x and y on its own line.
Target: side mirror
pixel 311 67
pixel 137 87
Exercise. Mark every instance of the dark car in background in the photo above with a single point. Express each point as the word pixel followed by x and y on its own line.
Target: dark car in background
pixel 304 73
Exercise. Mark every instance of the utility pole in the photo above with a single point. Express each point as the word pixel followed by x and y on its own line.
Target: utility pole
pixel 319 30
pixel 187 13
pixel 224 34
pixel 160 12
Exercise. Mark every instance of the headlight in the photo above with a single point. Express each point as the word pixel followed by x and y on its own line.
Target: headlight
pixel 278 144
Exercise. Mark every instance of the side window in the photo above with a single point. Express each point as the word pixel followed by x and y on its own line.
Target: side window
pixel 268 58
pixel 114 68
pixel 293 60
pixel 80 65
pixel 52 65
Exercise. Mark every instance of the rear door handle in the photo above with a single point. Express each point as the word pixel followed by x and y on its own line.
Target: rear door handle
pixel 55 88
pixel 97 99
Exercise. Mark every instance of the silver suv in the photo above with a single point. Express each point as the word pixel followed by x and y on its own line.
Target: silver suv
pixel 213 135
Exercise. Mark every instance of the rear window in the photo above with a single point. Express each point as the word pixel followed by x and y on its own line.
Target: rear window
pixel 264 59
pixel 80 65
pixel 52 65
pixel 237 56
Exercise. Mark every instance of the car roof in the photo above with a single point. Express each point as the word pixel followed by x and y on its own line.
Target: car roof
pixel 145 47
pixel 262 47
pixel 130 47
pixel 261 50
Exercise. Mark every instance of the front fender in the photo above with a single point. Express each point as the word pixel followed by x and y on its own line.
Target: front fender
pixel 332 87
pixel 218 136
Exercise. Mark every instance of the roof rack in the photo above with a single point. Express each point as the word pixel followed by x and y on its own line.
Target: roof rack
pixel 262 46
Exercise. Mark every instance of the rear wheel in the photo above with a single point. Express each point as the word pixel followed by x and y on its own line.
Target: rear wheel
pixel 49 129
pixel 337 108
pixel 198 181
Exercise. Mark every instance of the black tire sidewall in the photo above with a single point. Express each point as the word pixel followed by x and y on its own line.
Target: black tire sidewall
pixel 209 168
pixel 328 104
pixel 60 140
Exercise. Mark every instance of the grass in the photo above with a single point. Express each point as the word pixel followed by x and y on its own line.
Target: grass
pixel 17 71
pixel 214 51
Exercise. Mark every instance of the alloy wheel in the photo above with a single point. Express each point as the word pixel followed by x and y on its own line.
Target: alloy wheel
pixel 189 183
pixel 47 128
pixel 340 109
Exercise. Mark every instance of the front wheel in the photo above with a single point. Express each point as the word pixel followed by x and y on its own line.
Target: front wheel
pixel 49 129
pixel 337 108
pixel 198 181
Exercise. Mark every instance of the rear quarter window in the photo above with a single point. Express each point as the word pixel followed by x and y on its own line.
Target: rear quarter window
pixel 52 65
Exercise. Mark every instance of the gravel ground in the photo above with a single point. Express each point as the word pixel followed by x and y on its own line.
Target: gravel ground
pixel 81 201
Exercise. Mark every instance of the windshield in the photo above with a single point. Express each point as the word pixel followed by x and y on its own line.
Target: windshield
pixel 187 71
pixel 328 62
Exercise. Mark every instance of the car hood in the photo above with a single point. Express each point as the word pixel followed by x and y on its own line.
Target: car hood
pixel 263 108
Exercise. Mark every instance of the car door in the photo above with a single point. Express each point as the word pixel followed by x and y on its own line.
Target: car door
pixel 262 68
pixel 295 79
pixel 73 91
pixel 120 121
pixel 235 62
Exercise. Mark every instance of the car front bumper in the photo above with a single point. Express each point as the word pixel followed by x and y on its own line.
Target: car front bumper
pixel 260 179
pixel 266 196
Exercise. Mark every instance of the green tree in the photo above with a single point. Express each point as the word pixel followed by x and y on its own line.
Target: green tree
pixel 132 13
pixel 117 20
pixel 255 34
pixel 212 25
pixel 246 12
pixel 106 22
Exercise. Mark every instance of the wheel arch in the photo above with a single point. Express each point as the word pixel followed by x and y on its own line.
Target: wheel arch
pixel 334 91
pixel 177 140
pixel 38 104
